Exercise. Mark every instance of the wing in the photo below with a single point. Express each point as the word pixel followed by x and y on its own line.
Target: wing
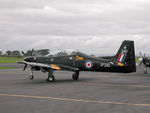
pixel 52 66
pixel 64 67
pixel 35 64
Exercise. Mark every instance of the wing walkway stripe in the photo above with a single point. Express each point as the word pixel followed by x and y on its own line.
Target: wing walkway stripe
pixel 75 100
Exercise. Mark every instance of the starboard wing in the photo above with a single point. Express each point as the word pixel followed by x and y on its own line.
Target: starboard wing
pixel 52 66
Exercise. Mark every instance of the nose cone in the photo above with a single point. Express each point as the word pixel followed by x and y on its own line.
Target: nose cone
pixel 29 59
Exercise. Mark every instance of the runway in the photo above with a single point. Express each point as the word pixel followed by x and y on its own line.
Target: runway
pixel 93 93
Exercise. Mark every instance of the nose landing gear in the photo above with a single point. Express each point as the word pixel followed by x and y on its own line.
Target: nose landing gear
pixel 31 77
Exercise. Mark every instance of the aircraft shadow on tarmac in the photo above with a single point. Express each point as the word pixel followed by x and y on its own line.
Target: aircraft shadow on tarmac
pixel 57 81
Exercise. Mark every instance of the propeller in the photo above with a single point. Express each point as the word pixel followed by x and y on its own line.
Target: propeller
pixel 25 54
pixel 28 54
pixel 144 61
pixel 141 58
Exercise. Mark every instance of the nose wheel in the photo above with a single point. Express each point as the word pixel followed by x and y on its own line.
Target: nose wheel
pixel 75 76
pixel 31 77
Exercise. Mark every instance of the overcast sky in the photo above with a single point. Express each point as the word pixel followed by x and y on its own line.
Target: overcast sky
pixel 91 26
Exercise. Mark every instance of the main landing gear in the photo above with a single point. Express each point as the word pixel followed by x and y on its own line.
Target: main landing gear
pixel 31 77
pixel 75 76
pixel 51 77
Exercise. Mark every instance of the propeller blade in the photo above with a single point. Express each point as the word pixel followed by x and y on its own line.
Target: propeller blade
pixel 141 63
pixel 25 67
pixel 32 51
pixel 23 53
pixel 140 54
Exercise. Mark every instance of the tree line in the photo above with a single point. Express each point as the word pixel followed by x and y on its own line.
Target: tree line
pixel 41 52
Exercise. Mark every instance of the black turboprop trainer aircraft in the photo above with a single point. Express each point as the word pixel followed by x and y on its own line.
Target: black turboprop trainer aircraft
pixel 145 61
pixel 122 62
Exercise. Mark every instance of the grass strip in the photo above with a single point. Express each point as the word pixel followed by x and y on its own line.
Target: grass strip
pixel 10 59
pixel 8 68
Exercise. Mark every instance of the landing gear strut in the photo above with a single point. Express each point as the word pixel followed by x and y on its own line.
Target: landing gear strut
pixel 75 76
pixel 51 77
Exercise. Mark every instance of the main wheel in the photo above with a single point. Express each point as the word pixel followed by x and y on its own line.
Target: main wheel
pixel 75 76
pixel 51 79
pixel 31 77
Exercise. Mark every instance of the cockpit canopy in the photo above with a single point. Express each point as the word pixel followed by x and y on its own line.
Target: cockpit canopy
pixel 62 53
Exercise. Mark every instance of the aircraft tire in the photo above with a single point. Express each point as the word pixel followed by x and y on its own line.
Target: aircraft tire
pixel 75 76
pixel 31 77
pixel 50 79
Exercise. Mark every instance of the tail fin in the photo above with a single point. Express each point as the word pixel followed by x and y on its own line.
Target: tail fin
pixel 126 55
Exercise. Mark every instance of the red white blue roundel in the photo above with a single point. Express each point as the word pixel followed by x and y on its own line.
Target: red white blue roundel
pixel 88 64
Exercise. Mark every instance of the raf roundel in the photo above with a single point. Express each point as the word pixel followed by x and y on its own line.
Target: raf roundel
pixel 88 64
